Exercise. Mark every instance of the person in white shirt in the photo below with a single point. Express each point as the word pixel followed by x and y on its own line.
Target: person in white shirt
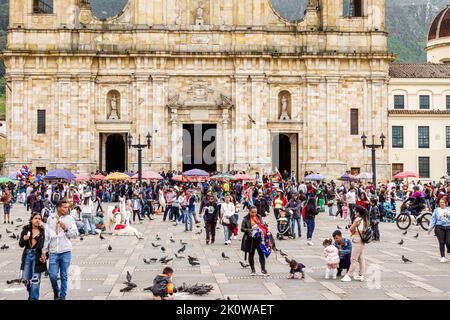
pixel 227 210
pixel 351 201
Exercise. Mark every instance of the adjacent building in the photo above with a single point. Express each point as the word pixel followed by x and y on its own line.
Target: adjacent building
pixel 419 108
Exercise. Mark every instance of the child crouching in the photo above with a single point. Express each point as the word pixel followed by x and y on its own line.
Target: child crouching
pixel 332 258
pixel 298 270
pixel 163 285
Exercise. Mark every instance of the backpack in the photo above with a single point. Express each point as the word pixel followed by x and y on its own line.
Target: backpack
pixel 56 196
pixel 368 236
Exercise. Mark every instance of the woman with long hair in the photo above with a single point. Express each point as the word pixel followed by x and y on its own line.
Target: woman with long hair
pixel 32 240
pixel 357 230
pixel 311 211
pixel 440 222
pixel 87 214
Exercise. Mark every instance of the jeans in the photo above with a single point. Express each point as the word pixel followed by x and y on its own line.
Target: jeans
pixel 166 211
pixel 310 225
pixel 182 215
pixel 59 263
pixel 29 274
pixel 293 221
pixel 330 211
pixel 188 221
pixel 351 208
pixel 251 256
pixel 88 221
pixel 227 232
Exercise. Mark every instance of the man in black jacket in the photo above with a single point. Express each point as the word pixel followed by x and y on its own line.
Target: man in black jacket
pixel 211 212
pixel 261 205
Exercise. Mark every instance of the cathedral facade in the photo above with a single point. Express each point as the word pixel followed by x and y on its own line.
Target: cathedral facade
pixel 260 90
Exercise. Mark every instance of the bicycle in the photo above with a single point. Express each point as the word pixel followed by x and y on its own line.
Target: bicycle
pixel 404 220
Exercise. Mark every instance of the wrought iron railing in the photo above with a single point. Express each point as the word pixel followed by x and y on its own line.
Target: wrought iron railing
pixel 41 6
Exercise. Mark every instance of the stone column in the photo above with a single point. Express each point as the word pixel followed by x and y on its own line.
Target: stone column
pixel 257 142
pixel 241 123
pixel 332 135
pixel 160 134
pixel 176 141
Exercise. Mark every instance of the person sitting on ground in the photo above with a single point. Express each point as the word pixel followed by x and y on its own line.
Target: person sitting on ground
pixel 298 270
pixel 163 285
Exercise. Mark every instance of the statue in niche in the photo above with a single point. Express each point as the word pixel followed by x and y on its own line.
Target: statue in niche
pixel 114 108
pixel 284 108
pixel 199 16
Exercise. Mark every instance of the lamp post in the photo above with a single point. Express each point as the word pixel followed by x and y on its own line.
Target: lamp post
pixel 139 147
pixel 373 147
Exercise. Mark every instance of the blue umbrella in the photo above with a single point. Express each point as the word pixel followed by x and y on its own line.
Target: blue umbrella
pixel 130 174
pixel 196 173
pixel 60 174
pixel 314 177
pixel 347 177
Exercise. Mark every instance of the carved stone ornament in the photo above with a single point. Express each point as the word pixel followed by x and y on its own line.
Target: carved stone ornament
pixel 225 102
pixel 85 16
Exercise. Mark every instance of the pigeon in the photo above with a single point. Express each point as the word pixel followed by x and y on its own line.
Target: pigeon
pixel 127 289
pixel 163 259
pixel 287 260
pixel 183 243
pixel 7 231
pixel 101 237
pixel 244 265
pixel 417 235
pixel 194 263
pixel 251 119
pixel 183 248
pixel 81 238
pixel 405 260
pixel 146 261
pixel 166 261
pixel 109 248
pixel 13 236
pixel 19 220
pixel 129 277
pixel 178 257
pixel 172 240
pixel 157 237
pixel 192 258
pixel 155 245
pixel 200 232
pixel 225 256
pixel 401 242
pixel 339 228
pixel 4 247
pixel 283 254
pixel 163 249
pixel 404 233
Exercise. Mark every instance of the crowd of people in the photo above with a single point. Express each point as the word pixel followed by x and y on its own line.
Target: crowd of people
pixel 241 208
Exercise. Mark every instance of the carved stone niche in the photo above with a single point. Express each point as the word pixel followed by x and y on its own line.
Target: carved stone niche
pixel 284 105
pixel 113 105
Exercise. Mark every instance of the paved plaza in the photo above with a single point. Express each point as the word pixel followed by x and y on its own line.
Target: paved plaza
pixel 97 274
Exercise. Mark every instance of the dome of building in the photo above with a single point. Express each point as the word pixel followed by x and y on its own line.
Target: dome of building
pixel 438 46
pixel 440 28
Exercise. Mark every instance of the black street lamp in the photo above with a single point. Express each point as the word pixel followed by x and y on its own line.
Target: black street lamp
pixel 373 147
pixel 139 147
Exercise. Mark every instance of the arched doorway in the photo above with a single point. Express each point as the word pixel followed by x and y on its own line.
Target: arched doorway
pixel 115 153
pixel 282 153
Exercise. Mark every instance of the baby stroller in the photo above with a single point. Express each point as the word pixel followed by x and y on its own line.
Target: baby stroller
pixel 284 225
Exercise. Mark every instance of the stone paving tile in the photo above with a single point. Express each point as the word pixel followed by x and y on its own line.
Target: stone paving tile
pixel 102 273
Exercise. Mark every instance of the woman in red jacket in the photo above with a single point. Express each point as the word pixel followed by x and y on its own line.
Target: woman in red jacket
pixel 363 201
pixel 278 203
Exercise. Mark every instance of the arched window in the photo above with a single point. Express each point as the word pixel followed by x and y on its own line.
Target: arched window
pixel 43 6
pixel 104 9
pixel 353 8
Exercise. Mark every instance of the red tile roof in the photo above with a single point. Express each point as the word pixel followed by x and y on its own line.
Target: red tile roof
pixel 425 70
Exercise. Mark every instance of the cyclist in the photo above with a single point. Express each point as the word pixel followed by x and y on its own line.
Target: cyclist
pixel 417 201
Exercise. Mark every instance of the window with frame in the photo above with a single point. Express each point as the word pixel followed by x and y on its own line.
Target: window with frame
pixel 447 102
pixel 424 102
pixel 355 171
pixel 448 166
pixel 424 167
pixel 354 125
pixel 399 102
pixel 41 121
pixel 353 8
pixel 424 137
pixel 397 137
pixel 43 6
pixel 41 170
pixel 447 137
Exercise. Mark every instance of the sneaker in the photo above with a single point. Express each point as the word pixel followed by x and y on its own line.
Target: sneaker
pixel 359 278
pixel 265 273
pixel 253 274
pixel 310 243
pixel 207 242
pixel 443 260
pixel 226 243
pixel 346 278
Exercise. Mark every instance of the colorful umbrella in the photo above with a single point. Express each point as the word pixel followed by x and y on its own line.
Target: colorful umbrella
pixel 4 180
pixel 117 176
pixel 189 179
pixel 130 174
pixel 60 174
pixel 406 174
pixel 347 177
pixel 98 177
pixel 148 175
pixel 12 176
pixel 196 173
pixel 315 177
pixel 224 177
pixel 364 176
pixel 79 177
pixel 244 177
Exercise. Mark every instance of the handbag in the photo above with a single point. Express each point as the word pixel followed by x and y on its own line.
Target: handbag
pixel 368 234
